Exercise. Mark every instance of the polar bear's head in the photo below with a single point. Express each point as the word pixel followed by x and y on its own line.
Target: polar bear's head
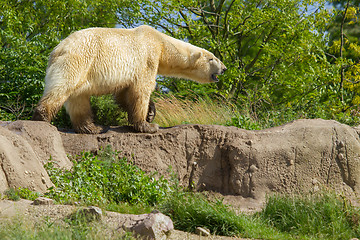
pixel 205 67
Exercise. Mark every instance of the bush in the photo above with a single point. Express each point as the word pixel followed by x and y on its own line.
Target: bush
pixel 105 179
pixel 16 194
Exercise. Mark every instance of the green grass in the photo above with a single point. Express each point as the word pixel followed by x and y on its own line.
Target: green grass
pixel 191 210
pixel 21 229
pixel 318 216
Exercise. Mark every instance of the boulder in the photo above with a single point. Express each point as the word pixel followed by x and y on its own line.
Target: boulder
pixel 20 165
pixel 149 226
pixel 88 213
pixel 43 201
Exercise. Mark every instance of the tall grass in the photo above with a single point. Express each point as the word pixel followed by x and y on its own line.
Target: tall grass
pixel 318 216
pixel 189 210
pixel 172 111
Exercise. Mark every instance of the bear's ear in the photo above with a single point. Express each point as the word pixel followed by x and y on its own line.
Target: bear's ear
pixel 194 56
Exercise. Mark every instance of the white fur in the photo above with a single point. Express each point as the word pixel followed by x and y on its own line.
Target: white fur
pixel 99 61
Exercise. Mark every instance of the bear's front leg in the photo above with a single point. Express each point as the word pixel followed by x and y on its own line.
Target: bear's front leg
pixel 145 127
pixel 151 112
pixel 138 110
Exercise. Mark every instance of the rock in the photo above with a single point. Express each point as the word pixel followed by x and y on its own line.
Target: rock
pixel 89 213
pixel 43 201
pixel 44 139
pixel 202 231
pixel 149 226
pixel 20 165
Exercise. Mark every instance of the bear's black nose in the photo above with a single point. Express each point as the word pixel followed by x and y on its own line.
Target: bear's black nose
pixel 223 71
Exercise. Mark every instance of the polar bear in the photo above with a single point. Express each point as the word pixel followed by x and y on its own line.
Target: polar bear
pixel 122 62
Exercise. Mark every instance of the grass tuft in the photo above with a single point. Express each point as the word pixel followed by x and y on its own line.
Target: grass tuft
pixel 171 111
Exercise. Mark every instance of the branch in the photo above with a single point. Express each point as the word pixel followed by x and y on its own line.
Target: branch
pixel 218 11
pixel 342 73
pixel 226 32
pixel 186 22
pixel 160 25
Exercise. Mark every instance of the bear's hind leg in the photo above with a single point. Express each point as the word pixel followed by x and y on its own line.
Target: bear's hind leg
pixel 48 106
pixel 79 110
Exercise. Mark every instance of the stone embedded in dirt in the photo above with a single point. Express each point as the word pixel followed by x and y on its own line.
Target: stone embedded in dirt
pixel 89 213
pixel 149 226
pixel 202 231
pixel 43 201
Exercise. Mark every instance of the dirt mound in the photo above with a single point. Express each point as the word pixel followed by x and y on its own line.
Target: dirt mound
pixel 296 157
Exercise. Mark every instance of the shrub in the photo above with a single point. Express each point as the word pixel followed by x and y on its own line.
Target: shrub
pixel 103 179
pixel 16 194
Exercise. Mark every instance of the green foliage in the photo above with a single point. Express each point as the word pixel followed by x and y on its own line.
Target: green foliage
pixel 323 216
pixel 103 179
pixel 244 122
pixel 29 30
pixel 343 53
pixel 20 193
pixel 107 112
pixel 274 50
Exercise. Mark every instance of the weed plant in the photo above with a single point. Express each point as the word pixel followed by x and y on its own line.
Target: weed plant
pixel 16 194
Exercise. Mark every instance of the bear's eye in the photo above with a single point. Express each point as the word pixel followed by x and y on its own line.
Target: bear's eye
pixel 211 59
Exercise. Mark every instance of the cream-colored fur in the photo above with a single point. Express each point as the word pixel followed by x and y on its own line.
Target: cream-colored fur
pixel 123 62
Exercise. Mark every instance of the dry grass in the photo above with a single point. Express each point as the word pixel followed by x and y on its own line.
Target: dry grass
pixel 171 111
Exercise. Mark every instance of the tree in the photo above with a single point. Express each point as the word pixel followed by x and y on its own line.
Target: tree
pixel 274 50
pixel 344 51
pixel 29 30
